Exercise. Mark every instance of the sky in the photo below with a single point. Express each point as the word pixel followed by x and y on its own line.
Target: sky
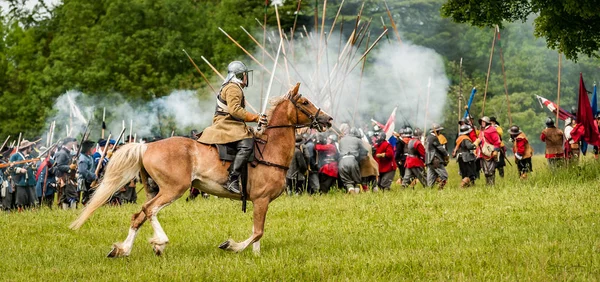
pixel 29 4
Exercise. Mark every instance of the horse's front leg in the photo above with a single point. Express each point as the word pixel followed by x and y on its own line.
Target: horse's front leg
pixel 260 206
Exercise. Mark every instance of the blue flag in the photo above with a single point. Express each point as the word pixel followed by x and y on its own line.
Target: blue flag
pixel 467 112
pixel 595 102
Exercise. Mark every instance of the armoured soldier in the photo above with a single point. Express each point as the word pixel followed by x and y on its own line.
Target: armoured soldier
pixel 466 159
pixel 229 122
pixel 352 150
pixel 575 149
pixel 436 158
pixel 554 139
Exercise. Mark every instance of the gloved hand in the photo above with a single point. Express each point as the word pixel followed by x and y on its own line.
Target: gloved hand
pixel 21 170
pixel 73 167
pixel 477 142
pixel 262 119
pixel 519 157
pixel 380 155
pixel 446 159
pixel 109 154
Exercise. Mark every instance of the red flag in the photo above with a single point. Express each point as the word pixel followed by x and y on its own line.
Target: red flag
pixel 586 127
pixel 562 114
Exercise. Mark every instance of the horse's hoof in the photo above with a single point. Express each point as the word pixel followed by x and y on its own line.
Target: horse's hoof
pixel 224 245
pixel 113 253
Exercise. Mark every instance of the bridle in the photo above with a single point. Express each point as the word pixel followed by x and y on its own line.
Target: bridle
pixel 313 118
pixel 312 124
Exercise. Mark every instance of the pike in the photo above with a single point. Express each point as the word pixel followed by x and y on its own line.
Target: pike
pixel 5 141
pixel 19 142
pixel 199 71
pixel 264 108
pixel 103 122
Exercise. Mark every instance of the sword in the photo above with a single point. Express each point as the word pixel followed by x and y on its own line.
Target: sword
pixel 264 108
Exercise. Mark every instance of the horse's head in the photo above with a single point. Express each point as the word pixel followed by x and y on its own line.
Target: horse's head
pixel 306 113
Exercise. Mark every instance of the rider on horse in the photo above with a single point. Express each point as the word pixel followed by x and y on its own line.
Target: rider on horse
pixel 229 122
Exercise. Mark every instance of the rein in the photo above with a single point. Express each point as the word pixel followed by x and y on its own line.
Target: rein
pixel 313 124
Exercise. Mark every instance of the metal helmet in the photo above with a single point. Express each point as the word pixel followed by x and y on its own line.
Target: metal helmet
pixel 417 132
pixel 233 69
pixel 407 132
pixel 333 137
pixel 549 122
pixel 436 128
pixel 515 130
pixel 381 136
pixel 485 119
pixel 370 133
pixel 376 128
pixel 462 121
pixel 355 132
pixel 465 129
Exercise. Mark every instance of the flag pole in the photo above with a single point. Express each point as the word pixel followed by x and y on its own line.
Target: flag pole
pixel 504 75
pixel 558 91
pixel 459 91
pixel 488 72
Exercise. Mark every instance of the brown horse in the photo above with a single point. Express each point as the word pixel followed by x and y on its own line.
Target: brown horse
pixel 177 163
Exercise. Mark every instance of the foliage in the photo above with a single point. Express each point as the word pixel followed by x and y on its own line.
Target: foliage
pixel 568 26
pixel 543 229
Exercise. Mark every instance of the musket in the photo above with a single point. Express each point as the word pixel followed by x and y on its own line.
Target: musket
pixel 19 141
pixel 102 154
pixel 83 139
pixel 5 165
pixel 117 142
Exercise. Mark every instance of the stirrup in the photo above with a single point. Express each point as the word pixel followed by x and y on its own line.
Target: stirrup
pixel 231 187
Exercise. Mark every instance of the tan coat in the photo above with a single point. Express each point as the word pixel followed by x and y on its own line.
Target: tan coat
pixel 230 127
pixel 554 140
pixel 368 165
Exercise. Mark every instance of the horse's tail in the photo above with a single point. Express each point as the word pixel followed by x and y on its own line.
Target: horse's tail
pixel 123 166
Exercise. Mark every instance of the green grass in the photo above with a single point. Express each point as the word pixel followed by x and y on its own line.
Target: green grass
pixel 544 229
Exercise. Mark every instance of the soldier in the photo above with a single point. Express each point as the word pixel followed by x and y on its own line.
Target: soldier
pixel 352 151
pixel 466 159
pixel 384 155
pixel 415 158
pixel 328 155
pixel 401 151
pixel 436 158
pixel 296 174
pixel 522 150
pixel 24 177
pixel 229 122
pixel 313 168
pixel 489 149
pixel 85 170
pixel 64 171
pixel 501 163
pixel 574 148
pixel 554 139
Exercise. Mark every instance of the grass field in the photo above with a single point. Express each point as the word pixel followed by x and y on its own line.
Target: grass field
pixel 544 229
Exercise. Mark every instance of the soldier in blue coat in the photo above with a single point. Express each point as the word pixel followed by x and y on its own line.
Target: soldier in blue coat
pixel 24 177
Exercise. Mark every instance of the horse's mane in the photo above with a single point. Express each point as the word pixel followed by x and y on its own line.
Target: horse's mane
pixel 273 103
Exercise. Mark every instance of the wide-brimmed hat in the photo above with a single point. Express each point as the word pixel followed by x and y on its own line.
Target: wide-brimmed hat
pixel 494 120
pixel 25 144
pixel 486 119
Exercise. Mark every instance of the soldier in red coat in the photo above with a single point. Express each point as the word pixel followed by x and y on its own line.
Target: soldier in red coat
pixel 328 165
pixel 384 155
pixel 415 159
pixel 489 149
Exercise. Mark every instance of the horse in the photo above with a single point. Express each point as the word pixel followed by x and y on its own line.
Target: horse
pixel 175 164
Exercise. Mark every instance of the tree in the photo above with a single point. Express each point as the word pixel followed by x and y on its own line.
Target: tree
pixel 569 26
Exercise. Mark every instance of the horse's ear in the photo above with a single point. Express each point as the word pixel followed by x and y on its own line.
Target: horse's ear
pixel 294 91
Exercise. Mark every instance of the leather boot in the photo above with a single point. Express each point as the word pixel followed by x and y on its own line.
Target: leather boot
pixel 442 183
pixel 465 182
pixel 244 147
pixel 524 176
